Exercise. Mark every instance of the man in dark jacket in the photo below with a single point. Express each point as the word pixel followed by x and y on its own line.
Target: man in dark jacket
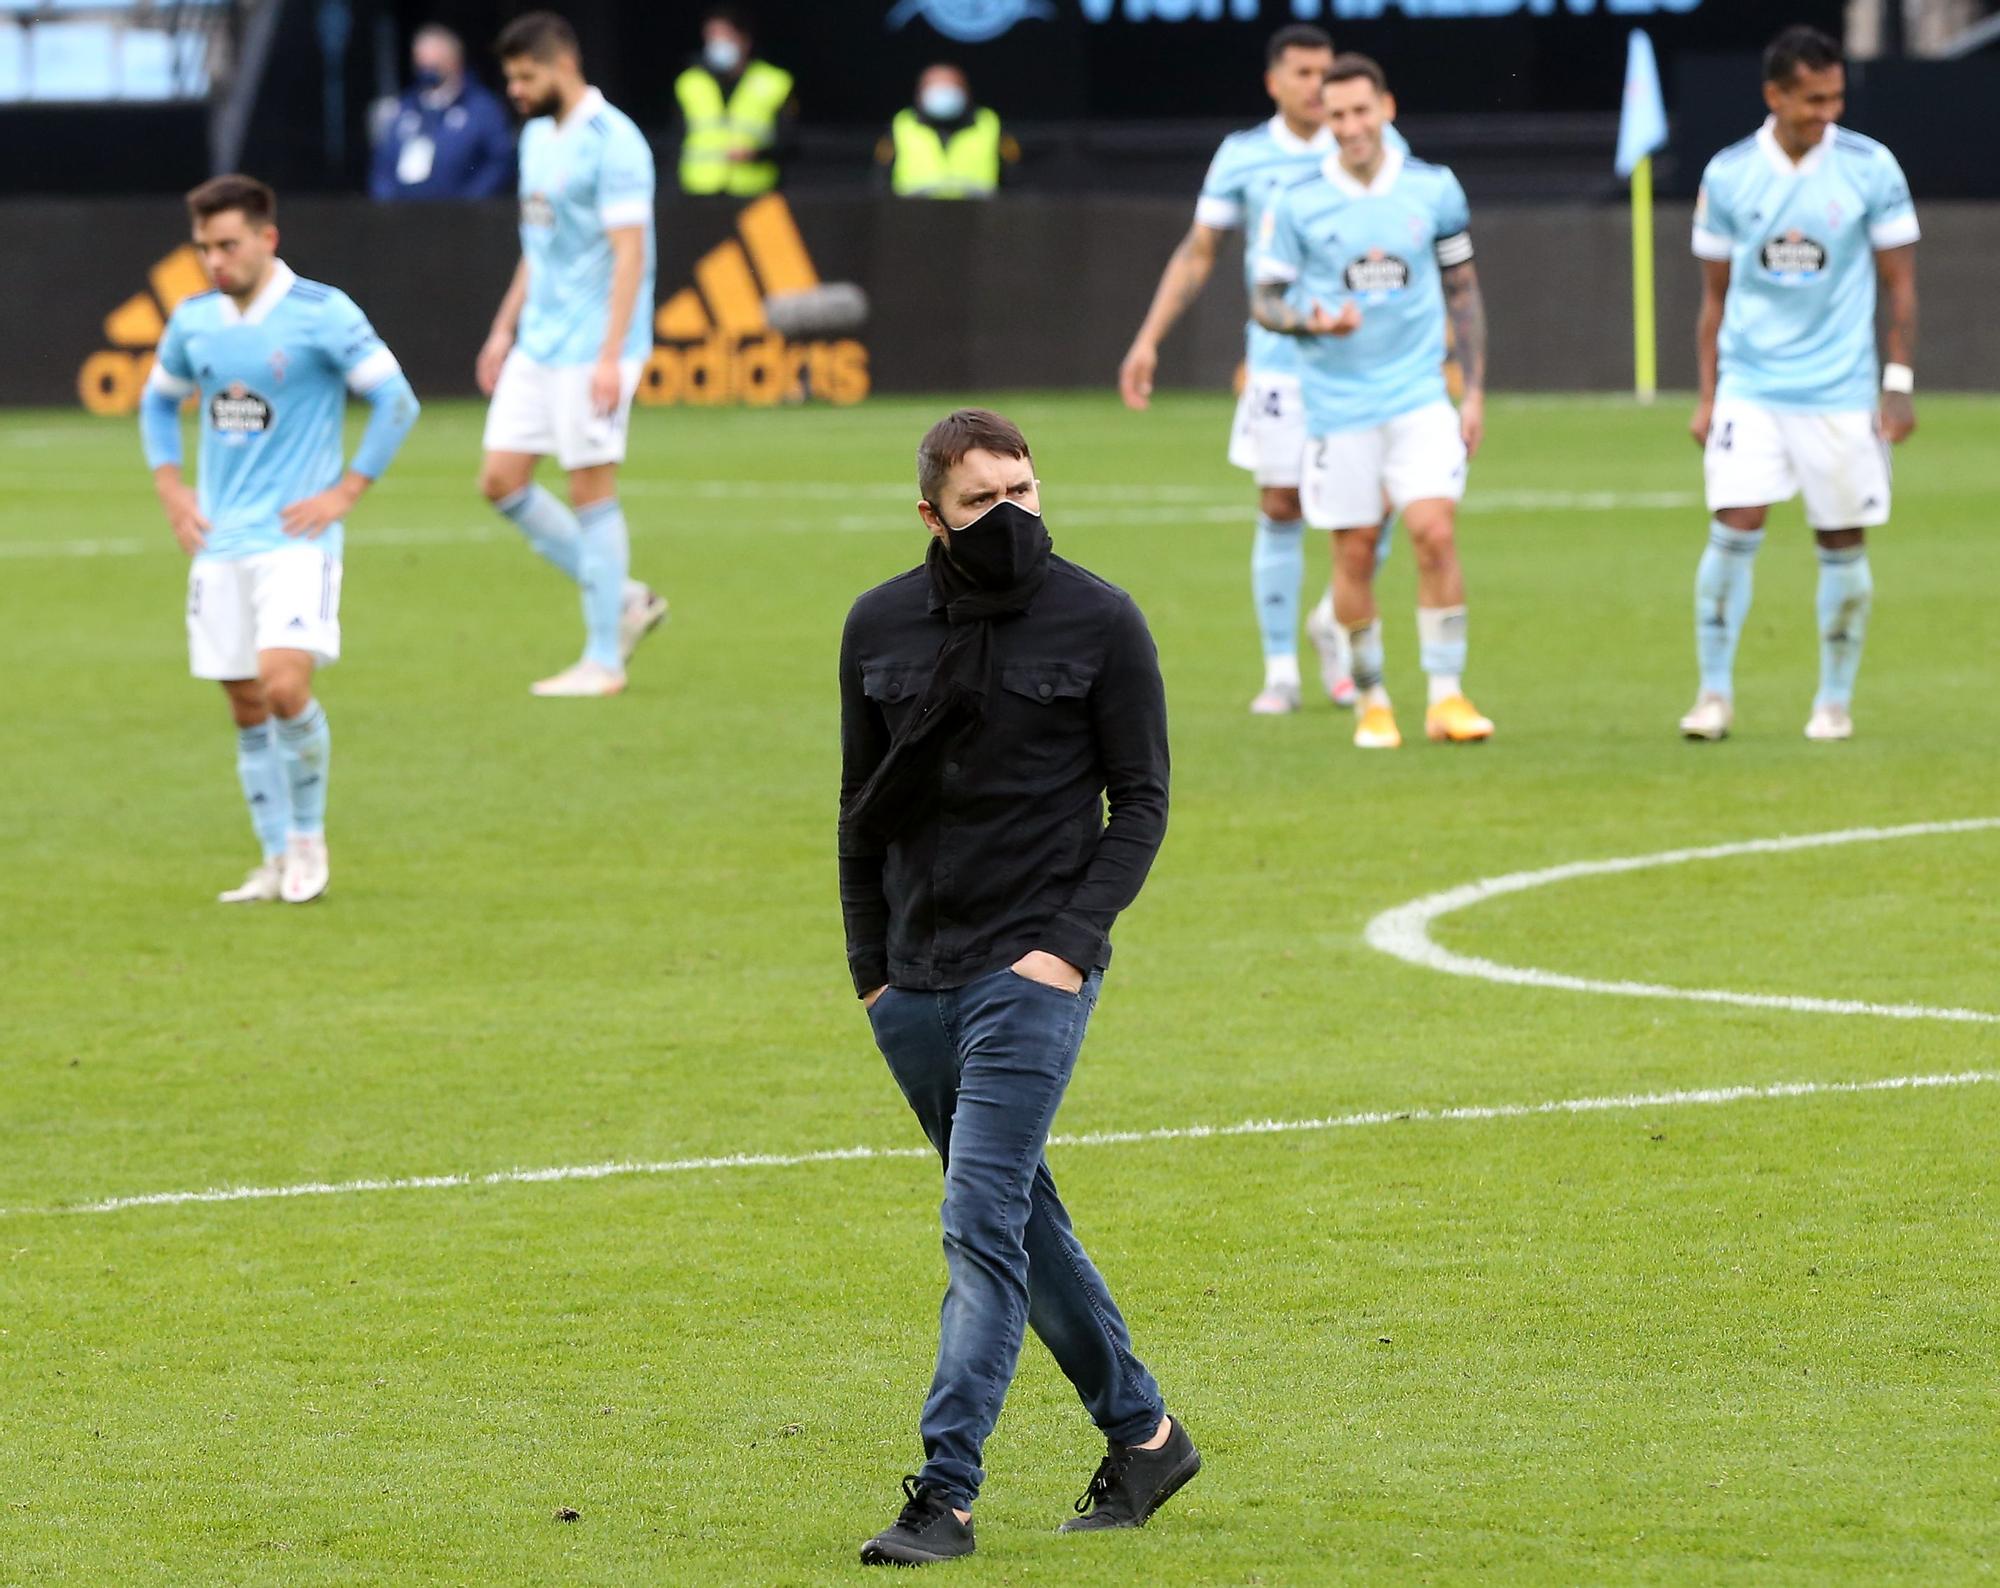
pixel 990 701
pixel 449 138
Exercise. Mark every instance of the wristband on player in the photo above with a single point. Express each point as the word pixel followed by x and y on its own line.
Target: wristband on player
pixel 1899 378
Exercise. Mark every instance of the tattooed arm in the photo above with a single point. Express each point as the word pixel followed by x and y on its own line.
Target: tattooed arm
pixel 1896 269
pixel 1466 309
pixel 1269 308
pixel 1181 282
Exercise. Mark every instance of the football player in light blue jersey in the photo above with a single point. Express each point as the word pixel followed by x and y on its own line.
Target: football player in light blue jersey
pixel 1384 236
pixel 570 341
pixel 1794 227
pixel 1268 436
pixel 270 357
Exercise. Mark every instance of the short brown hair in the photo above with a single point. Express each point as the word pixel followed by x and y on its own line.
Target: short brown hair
pixel 1352 68
pixel 967 430
pixel 542 34
pixel 221 194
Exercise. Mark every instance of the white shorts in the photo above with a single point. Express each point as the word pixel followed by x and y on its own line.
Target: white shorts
pixel 1269 435
pixel 284 600
pixel 1415 457
pixel 545 411
pixel 1757 456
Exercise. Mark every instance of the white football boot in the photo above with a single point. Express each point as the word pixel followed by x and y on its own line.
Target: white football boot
pixel 1829 723
pixel 1275 700
pixel 582 679
pixel 1710 717
pixel 1336 653
pixel 306 870
pixel 645 610
pixel 262 886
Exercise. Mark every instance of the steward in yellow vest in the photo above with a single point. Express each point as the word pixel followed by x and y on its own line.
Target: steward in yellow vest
pixel 732 111
pixel 944 146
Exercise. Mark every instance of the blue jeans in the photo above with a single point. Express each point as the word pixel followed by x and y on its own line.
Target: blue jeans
pixel 985 1067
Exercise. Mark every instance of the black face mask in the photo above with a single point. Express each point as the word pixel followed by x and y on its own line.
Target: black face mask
pixel 997 549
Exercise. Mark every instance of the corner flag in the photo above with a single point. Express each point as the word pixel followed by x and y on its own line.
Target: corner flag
pixel 1642 122
pixel 1642 128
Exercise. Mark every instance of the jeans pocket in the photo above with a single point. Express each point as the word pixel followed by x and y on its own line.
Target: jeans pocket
pixel 1060 992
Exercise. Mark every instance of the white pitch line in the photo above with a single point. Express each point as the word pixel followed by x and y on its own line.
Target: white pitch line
pixel 1404 932
pixel 1162 506
pixel 1708 1096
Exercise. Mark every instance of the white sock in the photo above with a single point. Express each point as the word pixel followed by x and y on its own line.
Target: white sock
pixel 1281 672
pixel 1374 695
pixel 1443 686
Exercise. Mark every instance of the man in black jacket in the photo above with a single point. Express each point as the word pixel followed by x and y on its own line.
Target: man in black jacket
pixel 991 700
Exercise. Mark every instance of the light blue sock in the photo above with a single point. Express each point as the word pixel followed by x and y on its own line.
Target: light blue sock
pixel 1441 640
pixel 261 770
pixel 550 527
pixel 1384 540
pixel 1722 601
pixel 606 560
pixel 1367 643
pixel 1277 568
pixel 307 748
pixel 1846 591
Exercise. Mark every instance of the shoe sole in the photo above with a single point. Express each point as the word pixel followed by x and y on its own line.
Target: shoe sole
pixel 1177 1480
pixel 317 893
pixel 1376 744
pixel 1440 735
pixel 878 1554
pixel 1700 736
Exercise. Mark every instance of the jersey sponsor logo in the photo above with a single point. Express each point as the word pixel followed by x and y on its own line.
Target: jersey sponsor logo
pixel 970 21
pixel 1377 274
pixel 538 210
pixel 1793 258
pixel 714 345
pixel 238 412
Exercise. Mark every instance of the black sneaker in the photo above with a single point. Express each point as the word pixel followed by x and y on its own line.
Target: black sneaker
pixel 1131 1484
pixel 926 1532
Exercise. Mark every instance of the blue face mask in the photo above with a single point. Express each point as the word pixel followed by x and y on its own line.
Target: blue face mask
pixel 722 56
pixel 429 77
pixel 943 101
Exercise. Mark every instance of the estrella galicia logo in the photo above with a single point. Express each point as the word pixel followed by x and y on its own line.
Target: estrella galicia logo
pixel 970 21
pixel 1377 274
pixel 537 210
pixel 237 412
pixel 1793 259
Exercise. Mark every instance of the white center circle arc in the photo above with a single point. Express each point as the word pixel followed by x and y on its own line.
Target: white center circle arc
pixel 1405 931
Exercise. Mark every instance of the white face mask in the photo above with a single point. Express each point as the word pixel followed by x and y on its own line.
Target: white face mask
pixel 722 55
pixel 942 101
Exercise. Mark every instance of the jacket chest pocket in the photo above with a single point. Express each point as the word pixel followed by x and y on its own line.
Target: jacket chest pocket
pixel 1045 706
pixel 895 691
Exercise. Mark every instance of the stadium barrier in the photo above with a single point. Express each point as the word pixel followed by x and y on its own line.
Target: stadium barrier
pixel 1024 292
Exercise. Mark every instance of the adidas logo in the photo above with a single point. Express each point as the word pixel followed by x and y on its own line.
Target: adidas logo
pixel 716 347
pixel 111 379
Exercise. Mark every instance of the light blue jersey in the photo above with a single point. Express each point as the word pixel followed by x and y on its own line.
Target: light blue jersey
pixel 272 381
pixel 1382 247
pixel 590 174
pixel 1798 325
pixel 1249 171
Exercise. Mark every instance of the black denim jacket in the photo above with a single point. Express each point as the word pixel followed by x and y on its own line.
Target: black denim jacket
pixel 1019 855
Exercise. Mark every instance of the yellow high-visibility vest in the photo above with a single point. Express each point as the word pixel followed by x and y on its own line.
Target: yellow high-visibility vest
pixel 928 167
pixel 747 123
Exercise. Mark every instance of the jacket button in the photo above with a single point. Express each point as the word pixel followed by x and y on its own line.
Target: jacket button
pixel 1046 690
pixel 951 768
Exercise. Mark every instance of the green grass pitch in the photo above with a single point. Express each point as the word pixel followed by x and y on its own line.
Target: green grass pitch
pixel 1752 1343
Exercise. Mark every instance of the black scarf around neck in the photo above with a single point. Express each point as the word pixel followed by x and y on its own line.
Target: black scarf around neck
pixel 905 787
